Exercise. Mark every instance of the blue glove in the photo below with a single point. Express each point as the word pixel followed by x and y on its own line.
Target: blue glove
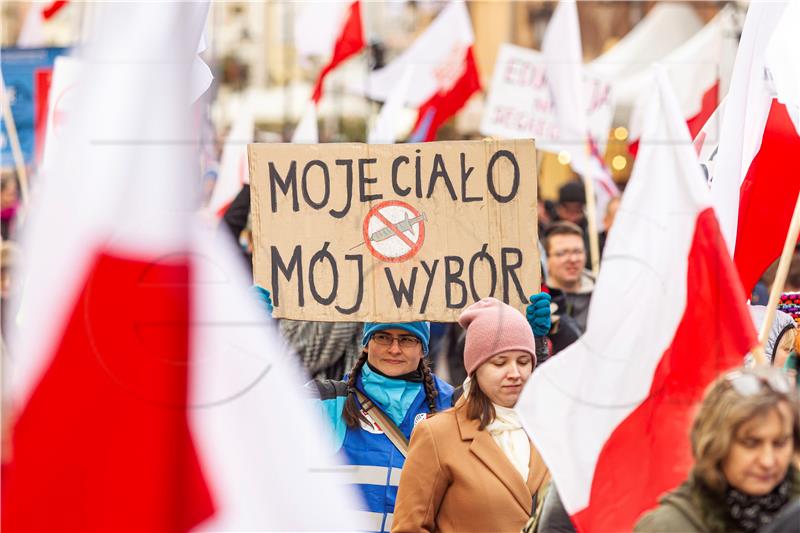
pixel 538 314
pixel 264 298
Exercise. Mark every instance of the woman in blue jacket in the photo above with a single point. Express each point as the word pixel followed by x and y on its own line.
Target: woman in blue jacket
pixel 393 373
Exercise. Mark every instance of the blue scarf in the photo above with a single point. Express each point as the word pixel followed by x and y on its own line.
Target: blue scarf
pixel 393 395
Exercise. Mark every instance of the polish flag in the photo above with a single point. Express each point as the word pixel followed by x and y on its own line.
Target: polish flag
pixel 697 69
pixel 756 182
pixel 32 34
pixel 445 74
pixel 151 394
pixel 331 29
pixel 611 414
pixel 563 54
pixel 233 169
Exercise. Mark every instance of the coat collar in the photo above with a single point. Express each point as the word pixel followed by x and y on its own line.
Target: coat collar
pixel 485 448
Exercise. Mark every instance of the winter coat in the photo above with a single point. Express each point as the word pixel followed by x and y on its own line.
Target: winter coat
pixel 689 509
pixel 377 462
pixel 457 479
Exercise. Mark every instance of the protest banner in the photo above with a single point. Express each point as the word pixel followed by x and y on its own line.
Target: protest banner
pixel 394 233
pixel 519 103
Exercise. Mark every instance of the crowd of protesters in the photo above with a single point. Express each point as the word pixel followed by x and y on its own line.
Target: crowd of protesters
pixel 469 465
pixel 426 415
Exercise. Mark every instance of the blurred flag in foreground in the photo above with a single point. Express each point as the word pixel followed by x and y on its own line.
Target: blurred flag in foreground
pixel 150 395
pixel 611 414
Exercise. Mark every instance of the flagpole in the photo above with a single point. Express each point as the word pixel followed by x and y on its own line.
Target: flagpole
pixel 780 278
pixel 16 150
pixel 591 214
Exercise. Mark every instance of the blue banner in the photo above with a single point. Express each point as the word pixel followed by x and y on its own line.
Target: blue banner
pixel 26 72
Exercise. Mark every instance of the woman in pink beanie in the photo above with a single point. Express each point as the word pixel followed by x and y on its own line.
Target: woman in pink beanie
pixel 473 467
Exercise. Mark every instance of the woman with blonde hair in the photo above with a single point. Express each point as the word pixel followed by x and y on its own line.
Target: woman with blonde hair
pixel 745 441
pixel 473 467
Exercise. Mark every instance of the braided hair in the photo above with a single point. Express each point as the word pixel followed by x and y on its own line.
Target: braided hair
pixel 352 414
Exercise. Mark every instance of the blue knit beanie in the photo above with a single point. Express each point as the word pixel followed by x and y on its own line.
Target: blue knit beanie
pixel 421 330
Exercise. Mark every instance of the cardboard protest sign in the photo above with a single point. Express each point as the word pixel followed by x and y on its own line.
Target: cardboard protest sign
pixel 519 105
pixel 393 233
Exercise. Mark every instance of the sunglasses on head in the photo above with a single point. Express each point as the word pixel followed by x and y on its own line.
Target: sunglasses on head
pixel 748 383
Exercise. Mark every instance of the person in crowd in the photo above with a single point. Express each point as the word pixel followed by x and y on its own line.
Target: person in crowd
pixel 9 204
pixel 10 259
pixel 473 467
pixel 392 378
pixel 327 350
pixel 608 221
pixel 571 207
pixel 744 440
pixel 782 334
pixel 570 284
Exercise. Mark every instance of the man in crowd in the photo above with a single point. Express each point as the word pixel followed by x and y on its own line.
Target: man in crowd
pixel 567 276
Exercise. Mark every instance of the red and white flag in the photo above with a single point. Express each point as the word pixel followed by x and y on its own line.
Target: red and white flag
pixel 444 76
pixel 698 70
pixel 756 181
pixel 151 393
pixel 563 54
pixel 611 414
pixel 32 34
pixel 333 29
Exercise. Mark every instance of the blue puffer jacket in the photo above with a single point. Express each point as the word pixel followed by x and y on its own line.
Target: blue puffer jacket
pixel 378 463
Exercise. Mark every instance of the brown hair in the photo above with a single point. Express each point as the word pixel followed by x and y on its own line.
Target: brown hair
pixel 479 406
pixel 352 414
pixel 722 413
pixel 561 227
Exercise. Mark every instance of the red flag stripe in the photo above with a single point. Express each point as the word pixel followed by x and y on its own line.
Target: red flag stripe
pixel 107 421
pixel 627 480
pixel 53 8
pixel 350 42
pixel 709 104
pixel 767 197
pixel 445 104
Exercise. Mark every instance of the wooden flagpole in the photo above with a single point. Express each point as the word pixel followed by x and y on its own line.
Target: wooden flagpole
pixel 780 279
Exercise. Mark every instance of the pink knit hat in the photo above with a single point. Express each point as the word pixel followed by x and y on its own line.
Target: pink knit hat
pixel 492 328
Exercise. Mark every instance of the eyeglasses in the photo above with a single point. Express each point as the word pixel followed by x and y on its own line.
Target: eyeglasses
pixel 404 341
pixel 575 252
pixel 750 383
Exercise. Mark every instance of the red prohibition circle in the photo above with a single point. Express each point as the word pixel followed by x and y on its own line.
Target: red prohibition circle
pixel 375 212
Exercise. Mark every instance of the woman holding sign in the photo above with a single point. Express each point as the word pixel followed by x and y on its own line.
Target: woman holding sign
pixel 473 468
pixel 389 390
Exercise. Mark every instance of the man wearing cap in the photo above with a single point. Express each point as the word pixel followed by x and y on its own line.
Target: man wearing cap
pixel 571 208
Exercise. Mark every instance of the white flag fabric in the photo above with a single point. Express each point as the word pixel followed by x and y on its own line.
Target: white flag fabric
pixel 385 129
pixel 233 169
pixel 563 55
pixel 317 25
pixel 174 401
pixel 783 66
pixel 611 413
pixel 746 109
pixel 436 56
pixel 307 131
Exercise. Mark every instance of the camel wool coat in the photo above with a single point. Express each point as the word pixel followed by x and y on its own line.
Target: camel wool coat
pixel 457 479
